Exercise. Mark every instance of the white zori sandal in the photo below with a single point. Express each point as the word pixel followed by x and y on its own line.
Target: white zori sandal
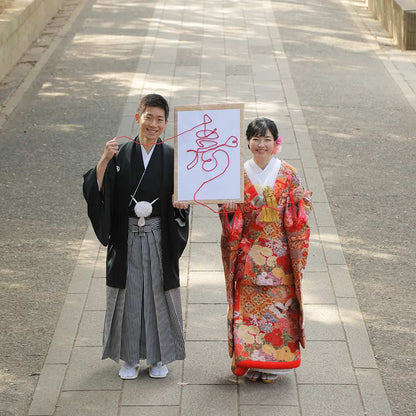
pixel 129 372
pixel 158 370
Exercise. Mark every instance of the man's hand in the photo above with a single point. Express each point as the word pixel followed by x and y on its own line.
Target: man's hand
pixel 179 204
pixel 110 149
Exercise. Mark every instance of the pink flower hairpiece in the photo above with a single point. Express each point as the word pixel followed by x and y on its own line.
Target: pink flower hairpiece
pixel 277 144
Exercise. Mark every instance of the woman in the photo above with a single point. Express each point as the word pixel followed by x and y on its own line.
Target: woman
pixel 129 196
pixel 264 244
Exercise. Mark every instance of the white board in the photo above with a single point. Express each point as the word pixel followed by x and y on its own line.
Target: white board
pixel 208 153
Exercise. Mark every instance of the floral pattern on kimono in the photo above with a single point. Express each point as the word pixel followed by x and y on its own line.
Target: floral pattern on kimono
pixel 263 265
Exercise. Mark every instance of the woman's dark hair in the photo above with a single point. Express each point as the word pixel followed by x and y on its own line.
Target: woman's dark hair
pixel 259 126
pixel 153 100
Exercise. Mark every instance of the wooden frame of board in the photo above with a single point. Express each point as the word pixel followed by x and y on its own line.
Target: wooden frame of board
pixel 209 153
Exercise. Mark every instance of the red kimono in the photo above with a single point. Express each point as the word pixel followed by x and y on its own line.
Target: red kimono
pixel 263 260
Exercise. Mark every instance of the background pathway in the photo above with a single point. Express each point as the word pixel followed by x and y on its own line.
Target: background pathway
pixel 203 53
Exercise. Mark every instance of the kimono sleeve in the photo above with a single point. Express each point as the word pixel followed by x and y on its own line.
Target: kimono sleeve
pixel 296 225
pixel 99 202
pixel 298 233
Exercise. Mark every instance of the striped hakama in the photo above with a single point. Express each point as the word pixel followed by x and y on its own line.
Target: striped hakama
pixel 143 321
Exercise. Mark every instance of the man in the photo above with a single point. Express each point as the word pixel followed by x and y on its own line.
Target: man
pixel 130 204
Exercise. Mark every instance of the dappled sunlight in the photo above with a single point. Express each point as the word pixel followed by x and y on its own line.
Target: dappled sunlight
pixel 342 39
pixel 271 107
pixel 212 283
pixel 6 377
pixel 104 40
pixel 401 139
pixel 11 286
pixel 372 254
pixel 53 94
pixel 321 313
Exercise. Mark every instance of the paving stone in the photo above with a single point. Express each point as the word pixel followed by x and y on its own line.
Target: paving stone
pixel 207 230
pixel 91 403
pixel 48 389
pixel 209 400
pixel 325 362
pixel 149 410
pixel 321 400
pixel 202 211
pixel 359 344
pixel 187 249
pixel 87 371
pixel 146 391
pixel 84 267
pixel 206 256
pixel 262 76
pixel 183 270
pixel 316 259
pixel 322 322
pixel 282 392
pixel 331 245
pixel 317 288
pixel 100 268
pixel 207 287
pixel 372 392
pixel 206 322
pixel 308 157
pixel 237 69
pixel 289 152
pixel 247 410
pixel 96 299
pixel 90 332
pixel 303 138
pixel 287 134
pixel 213 358
pixel 315 184
pixel 323 214
pixel 66 329
pixel 296 115
pixel 209 65
pixel 189 56
pixel 291 95
pixel 341 281
pixel 184 297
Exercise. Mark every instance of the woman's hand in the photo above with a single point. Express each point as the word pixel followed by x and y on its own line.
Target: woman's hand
pixel 298 194
pixel 229 206
pixel 179 204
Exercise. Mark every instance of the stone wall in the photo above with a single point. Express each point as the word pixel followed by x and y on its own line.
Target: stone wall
pixel 398 18
pixel 21 23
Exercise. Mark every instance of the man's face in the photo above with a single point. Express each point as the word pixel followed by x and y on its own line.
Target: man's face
pixel 152 123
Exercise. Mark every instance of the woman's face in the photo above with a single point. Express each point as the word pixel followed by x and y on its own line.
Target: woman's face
pixel 262 147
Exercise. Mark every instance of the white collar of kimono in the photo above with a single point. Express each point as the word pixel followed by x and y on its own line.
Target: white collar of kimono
pixel 261 178
pixel 146 156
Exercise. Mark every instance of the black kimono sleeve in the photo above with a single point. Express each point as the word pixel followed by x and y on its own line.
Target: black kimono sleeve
pixel 99 202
